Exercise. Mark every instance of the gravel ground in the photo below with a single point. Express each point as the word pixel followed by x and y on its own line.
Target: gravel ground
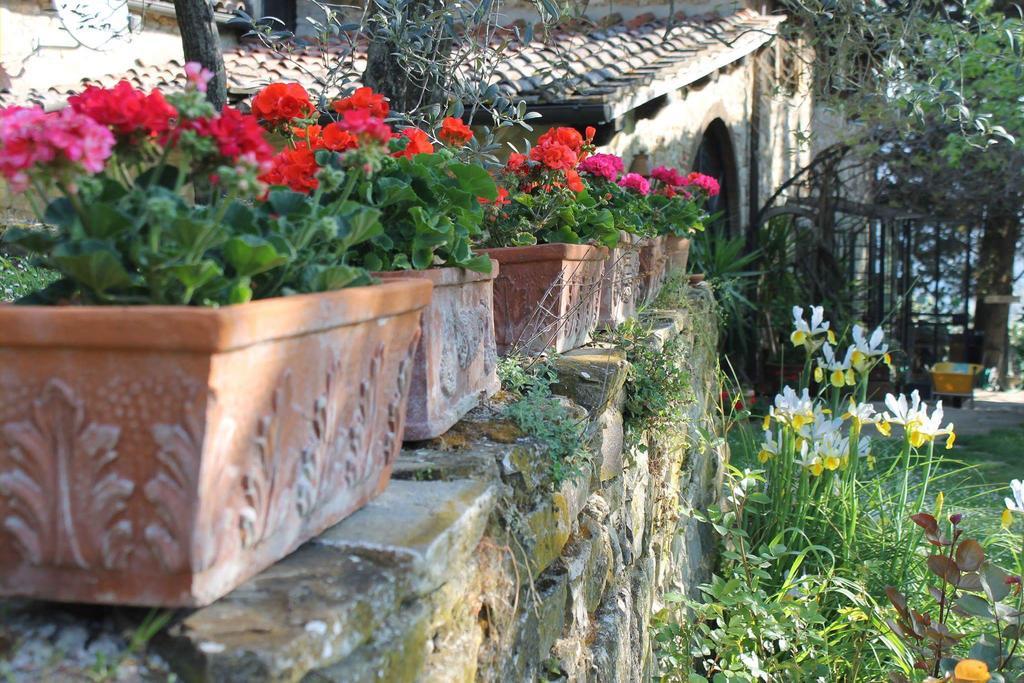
pixel 40 642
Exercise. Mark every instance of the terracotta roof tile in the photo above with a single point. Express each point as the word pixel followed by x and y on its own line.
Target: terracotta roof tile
pixel 616 66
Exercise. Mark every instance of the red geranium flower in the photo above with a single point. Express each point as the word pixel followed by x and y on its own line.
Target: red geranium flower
pixel 294 168
pixel 573 181
pixel 417 142
pixel 282 103
pixel 310 134
pixel 570 137
pixel 516 162
pixel 366 99
pixel 236 134
pixel 454 132
pixel 337 139
pixel 554 155
pixel 501 200
pixel 125 109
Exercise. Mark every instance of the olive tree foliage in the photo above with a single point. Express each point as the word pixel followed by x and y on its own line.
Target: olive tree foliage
pixel 431 58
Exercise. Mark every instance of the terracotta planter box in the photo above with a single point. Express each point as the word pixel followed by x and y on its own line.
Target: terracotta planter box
pixel 163 455
pixel 621 281
pixel 677 253
pixel 652 269
pixel 455 366
pixel 546 296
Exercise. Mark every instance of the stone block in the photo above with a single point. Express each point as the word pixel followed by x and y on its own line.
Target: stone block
pixel 591 377
pixel 308 611
pixel 607 443
pixel 432 526
pixel 610 650
pixel 396 654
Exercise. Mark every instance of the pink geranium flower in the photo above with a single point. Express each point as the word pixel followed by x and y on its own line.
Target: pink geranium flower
pixel 706 183
pixel 669 176
pixel 635 182
pixel 31 139
pixel 198 76
pixel 607 166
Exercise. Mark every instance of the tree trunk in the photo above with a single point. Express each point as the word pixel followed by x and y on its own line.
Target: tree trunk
pixel 995 278
pixel 411 77
pixel 201 43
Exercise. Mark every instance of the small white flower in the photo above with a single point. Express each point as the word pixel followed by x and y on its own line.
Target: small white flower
pixel 821 427
pixel 804 332
pixel 929 427
pixel 1016 504
pixel 811 460
pixel 770 447
pixel 861 413
pixel 866 349
pixel 902 412
pixel 793 409
pixel 839 372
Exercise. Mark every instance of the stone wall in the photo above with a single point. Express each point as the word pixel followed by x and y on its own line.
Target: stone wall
pixel 471 565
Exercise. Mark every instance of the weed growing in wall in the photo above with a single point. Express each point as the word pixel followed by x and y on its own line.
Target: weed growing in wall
pixel 547 418
pixel 658 384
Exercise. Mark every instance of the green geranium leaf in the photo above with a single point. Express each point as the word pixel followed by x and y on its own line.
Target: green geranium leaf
pixel 96 265
pixel 195 275
pixel 240 218
pixel 104 221
pixel 61 213
pixel 481 263
pixel 338 277
pixel 359 223
pixel 475 180
pixel 287 202
pixel 394 191
pixel 250 255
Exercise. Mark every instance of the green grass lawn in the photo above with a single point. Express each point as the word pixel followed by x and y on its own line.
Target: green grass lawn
pixel 997 457
pixel 19 277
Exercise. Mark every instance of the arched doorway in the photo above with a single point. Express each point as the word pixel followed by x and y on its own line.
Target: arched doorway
pixel 715 158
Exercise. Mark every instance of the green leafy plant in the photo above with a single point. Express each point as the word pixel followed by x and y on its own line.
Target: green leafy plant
pixel 431 212
pixel 127 228
pixel 559 430
pixel 762 616
pixel 731 271
pixel 657 385
pixel 963 584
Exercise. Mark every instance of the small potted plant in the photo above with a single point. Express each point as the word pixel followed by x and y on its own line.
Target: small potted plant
pixel 678 202
pixel 551 238
pixel 430 208
pixel 209 384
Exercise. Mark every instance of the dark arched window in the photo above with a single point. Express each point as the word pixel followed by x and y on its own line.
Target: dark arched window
pixel 715 158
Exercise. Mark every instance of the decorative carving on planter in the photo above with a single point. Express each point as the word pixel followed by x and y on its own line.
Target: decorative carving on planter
pixel 547 296
pixel 390 442
pixel 65 497
pixel 360 456
pixel 172 488
pixel 620 284
pixel 314 474
pixel 264 491
pixel 455 363
pixel 228 437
